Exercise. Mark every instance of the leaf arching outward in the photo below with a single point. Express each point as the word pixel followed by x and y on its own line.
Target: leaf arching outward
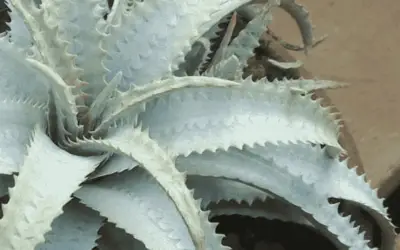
pixel 247 114
pixel 324 172
pixel 45 182
pixel 296 11
pixel 134 198
pixel 332 178
pixel 268 176
pixel 132 102
pixel 301 15
pixel 134 143
pixel 129 104
pixel 232 197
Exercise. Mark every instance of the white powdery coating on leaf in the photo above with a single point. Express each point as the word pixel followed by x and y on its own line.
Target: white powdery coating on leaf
pixel 45 183
pixel 76 228
pixel 211 118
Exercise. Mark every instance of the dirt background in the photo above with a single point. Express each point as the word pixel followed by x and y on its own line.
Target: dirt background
pixel 362 49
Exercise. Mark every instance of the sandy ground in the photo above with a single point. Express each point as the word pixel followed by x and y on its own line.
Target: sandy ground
pixel 363 50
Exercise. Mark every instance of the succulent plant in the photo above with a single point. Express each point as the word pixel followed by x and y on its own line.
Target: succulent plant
pixel 122 129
